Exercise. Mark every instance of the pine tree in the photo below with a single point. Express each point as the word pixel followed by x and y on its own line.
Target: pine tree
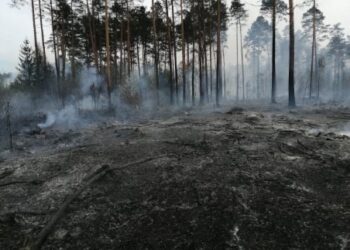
pixel 26 67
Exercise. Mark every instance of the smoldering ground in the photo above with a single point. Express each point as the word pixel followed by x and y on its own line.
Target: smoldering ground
pixel 236 177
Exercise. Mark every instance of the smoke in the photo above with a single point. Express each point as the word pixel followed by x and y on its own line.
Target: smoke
pixel 67 118
pixel 50 121
pixel 345 130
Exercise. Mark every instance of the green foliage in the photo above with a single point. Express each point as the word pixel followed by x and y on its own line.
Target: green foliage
pixel 238 11
pixel 26 68
pixel 33 74
pixel 337 45
pixel 258 35
pixel 307 22
pixel 267 7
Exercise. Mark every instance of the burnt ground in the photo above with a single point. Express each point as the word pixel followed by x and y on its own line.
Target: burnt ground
pixel 226 179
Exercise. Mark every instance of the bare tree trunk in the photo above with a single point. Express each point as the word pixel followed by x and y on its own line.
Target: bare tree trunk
pixel 57 66
pixel 200 67
pixel 73 66
pixel 317 72
pixel 193 66
pixel 291 55
pixel 129 42
pixel 273 77
pixel 211 55
pixel 63 51
pixel 108 52
pixel 211 67
pixel 237 62
pixel 34 30
pixel 144 57
pixel 242 61
pixel 258 76
pixel 138 57
pixel 97 35
pixel 92 36
pixel 206 73
pixel 175 52
pixel 42 33
pixel 218 63
pixel 121 50
pixel 155 45
pixel 170 54
pixel 313 53
pixel 183 55
pixel 224 71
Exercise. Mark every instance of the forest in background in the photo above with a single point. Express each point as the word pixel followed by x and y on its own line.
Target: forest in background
pixel 124 53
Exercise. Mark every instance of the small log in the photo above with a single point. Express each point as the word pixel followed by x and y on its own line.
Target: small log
pixel 88 182
pixel 6 173
pixel 33 182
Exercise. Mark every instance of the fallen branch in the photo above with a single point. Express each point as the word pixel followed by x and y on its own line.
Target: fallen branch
pixel 9 215
pixel 50 226
pixel 33 182
pixel 45 232
pixel 6 173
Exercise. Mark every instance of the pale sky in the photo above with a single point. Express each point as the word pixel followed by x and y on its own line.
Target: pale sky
pixel 16 25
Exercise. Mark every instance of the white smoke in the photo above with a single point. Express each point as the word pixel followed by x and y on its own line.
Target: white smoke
pixel 66 118
pixel 50 121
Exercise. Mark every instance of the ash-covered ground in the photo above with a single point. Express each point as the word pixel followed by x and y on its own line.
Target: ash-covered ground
pixel 233 178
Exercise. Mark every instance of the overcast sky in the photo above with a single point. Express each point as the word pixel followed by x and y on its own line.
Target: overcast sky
pixel 16 26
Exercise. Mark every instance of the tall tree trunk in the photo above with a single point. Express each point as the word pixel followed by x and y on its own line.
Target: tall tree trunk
pixel 57 65
pixel 64 53
pixel 291 79
pixel 138 57
pixel 92 36
pixel 193 73
pixel 193 63
pixel 63 71
pixel 237 61
pixel 313 53
pixel 200 68
pixel 175 52
pixel 200 52
pixel 99 35
pixel 206 72
pixel 224 71
pixel 183 55
pixel 72 38
pixel 317 72
pixel 170 59
pixel 34 30
pixel 144 57
pixel 108 54
pixel 242 61
pixel 273 76
pixel 211 55
pixel 218 57
pixel 211 67
pixel 121 50
pixel 42 33
pixel 129 35
pixel 258 76
pixel 155 47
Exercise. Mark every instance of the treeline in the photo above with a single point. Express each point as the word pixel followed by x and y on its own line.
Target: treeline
pixel 175 50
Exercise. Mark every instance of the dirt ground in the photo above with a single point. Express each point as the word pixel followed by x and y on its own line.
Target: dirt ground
pixel 234 178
